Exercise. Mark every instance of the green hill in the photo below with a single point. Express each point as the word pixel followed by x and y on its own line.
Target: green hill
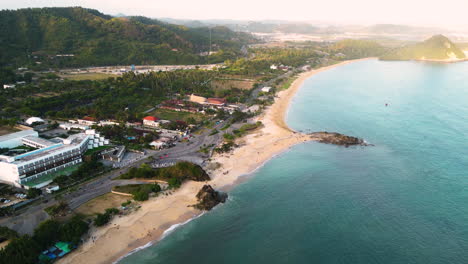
pixel 39 34
pixel 437 47
pixel 356 48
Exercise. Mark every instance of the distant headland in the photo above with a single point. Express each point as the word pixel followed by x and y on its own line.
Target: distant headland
pixel 438 48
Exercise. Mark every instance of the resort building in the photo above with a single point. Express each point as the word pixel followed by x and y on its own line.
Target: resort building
pixel 15 139
pixel 151 121
pixel 35 168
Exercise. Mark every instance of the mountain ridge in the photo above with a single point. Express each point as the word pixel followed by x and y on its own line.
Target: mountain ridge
pixel 95 38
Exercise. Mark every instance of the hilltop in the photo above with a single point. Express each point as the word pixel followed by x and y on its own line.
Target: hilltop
pixel 35 35
pixel 436 48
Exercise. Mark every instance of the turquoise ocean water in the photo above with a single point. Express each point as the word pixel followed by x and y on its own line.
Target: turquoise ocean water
pixel 404 200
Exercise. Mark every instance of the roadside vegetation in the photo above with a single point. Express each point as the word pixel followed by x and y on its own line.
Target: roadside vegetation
pixel 140 192
pixel 174 175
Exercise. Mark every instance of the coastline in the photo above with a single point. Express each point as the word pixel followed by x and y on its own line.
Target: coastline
pixel 125 235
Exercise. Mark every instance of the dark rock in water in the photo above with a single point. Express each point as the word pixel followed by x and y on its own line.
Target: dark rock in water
pixel 209 198
pixel 337 139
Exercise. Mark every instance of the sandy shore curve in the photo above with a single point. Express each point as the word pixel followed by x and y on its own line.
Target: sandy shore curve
pixel 147 225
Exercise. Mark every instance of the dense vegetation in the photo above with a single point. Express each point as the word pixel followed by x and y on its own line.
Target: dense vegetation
pixel 355 49
pixel 35 35
pixel 26 249
pixel 435 48
pixel 102 219
pixel 140 192
pixel 86 170
pixel 174 175
pixel 121 98
pixel 265 57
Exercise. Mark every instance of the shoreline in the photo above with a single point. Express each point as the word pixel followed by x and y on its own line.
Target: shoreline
pixel 126 235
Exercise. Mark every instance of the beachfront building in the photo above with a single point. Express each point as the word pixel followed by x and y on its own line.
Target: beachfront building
pixel 15 139
pixel 151 121
pixel 34 168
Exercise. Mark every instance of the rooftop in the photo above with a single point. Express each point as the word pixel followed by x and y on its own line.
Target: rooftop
pixel 74 140
pixel 18 134
pixel 40 141
pixel 150 118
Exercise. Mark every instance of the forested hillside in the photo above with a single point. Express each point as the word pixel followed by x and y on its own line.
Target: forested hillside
pixel 355 49
pixel 36 36
pixel 437 47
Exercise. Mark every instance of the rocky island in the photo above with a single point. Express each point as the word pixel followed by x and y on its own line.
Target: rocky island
pixel 337 139
pixel 436 48
pixel 208 198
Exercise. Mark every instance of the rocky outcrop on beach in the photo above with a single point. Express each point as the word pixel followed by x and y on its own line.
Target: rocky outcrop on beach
pixel 337 139
pixel 209 198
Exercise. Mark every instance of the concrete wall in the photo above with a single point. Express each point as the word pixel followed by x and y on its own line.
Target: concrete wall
pixel 9 173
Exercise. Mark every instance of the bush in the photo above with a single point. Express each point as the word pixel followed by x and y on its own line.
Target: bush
pixel 102 219
pixel 57 209
pixel 127 203
pixel 140 196
pixel 33 193
pixel 7 233
pixel 47 233
pixel 174 183
pixel 182 170
pixel 229 136
pixel 22 250
pixel 73 230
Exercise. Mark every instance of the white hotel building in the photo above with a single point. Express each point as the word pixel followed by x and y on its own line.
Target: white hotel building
pixel 49 157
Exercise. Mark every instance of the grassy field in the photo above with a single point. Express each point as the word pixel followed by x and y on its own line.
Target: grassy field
pixel 174 115
pixel 101 203
pixel 87 76
pixel 229 84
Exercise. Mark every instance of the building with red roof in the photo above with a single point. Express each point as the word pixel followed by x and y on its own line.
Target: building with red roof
pixel 216 101
pixel 151 121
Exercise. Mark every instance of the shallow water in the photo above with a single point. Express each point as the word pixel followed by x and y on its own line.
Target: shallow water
pixel 405 200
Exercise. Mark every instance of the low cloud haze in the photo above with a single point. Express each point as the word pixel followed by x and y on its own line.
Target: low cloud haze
pixel 417 12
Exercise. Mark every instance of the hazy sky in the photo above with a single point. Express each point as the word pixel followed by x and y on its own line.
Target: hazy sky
pixel 430 12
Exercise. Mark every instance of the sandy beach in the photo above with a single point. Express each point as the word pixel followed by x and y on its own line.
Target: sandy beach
pixel 126 233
